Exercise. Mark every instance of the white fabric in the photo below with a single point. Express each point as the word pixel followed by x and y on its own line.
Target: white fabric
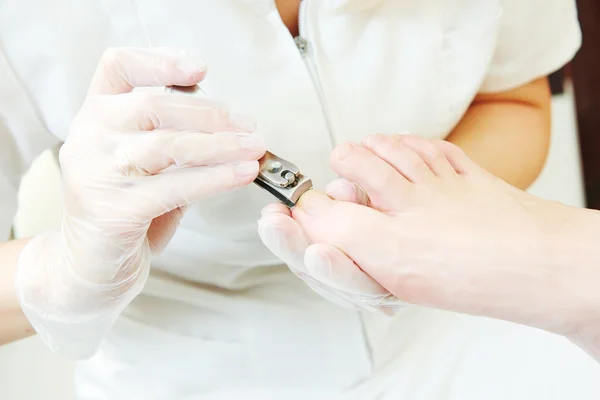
pixel 220 318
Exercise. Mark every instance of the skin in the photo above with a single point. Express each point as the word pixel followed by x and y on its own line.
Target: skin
pixel 508 133
pixel 442 232
pixel 14 324
pixel 516 156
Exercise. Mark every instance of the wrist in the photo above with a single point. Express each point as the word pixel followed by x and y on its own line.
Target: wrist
pixel 35 282
pixel 70 314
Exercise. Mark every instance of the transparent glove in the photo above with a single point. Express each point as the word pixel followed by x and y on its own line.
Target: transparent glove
pixel 131 164
pixel 325 269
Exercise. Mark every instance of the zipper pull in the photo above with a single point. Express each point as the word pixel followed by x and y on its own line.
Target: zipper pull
pixel 302 45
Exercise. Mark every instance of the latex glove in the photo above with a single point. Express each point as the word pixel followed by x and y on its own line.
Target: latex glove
pixel 131 164
pixel 326 270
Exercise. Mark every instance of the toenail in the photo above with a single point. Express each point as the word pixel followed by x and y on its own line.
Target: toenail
pixel 373 140
pixel 343 151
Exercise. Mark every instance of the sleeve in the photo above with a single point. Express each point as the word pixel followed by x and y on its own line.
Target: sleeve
pixel 535 38
pixel 22 138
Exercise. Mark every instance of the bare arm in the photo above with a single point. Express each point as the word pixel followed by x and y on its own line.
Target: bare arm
pixel 508 133
pixel 13 324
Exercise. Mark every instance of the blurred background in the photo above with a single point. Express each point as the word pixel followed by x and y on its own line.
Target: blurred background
pixel 572 176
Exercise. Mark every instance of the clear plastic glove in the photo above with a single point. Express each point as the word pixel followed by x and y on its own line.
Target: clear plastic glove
pixel 131 164
pixel 325 269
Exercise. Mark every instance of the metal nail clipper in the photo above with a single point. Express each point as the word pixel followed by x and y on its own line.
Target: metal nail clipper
pixel 277 176
pixel 282 179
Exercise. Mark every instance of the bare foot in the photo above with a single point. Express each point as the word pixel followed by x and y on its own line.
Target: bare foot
pixel 442 232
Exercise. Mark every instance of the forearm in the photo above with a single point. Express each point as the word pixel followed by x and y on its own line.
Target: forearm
pixel 13 324
pixel 509 133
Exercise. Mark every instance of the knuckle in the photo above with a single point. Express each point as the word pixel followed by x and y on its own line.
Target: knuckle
pixel 148 106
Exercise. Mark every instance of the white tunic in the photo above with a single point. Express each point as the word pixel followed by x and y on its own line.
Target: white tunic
pixel 221 318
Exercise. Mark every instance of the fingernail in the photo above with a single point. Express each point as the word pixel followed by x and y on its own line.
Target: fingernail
pixel 243 122
pixel 246 169
pixel 342 151
pixel 318 264
pixel 314 204
pixel 270 209
pixel 191 65
pixel 252 142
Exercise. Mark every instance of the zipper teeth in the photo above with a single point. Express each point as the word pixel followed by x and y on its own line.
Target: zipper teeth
pixel 303 43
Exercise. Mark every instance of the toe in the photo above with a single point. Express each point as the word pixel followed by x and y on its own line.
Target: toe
pixel 430 154
pixel 383 184
pixel 457 158
pixel 344 190
pixel 399 156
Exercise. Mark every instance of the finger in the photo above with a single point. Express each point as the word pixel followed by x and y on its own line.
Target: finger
pixel 276 208
pixel 182 187
pixel 152 152
pixel 332 267
pixel 122 69
pixel 284 238
pixel 344 190
pixel 404 159
pixel 145 111
pixel 367 236
pixel 336 271
pixel 383 184
pixel 431 155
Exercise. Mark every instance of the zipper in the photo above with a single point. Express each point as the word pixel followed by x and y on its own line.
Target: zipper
pixel 303 44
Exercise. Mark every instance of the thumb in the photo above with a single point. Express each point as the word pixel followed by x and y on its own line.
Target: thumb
pixel 367 236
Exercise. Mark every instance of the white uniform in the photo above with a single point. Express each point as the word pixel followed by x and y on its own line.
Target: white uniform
pixel 220 318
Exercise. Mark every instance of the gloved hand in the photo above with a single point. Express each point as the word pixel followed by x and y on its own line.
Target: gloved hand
pixel 131 164
pixel 325 269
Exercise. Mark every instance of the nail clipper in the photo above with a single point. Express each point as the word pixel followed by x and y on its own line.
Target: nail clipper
pixel 282 179
pixel 277 176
